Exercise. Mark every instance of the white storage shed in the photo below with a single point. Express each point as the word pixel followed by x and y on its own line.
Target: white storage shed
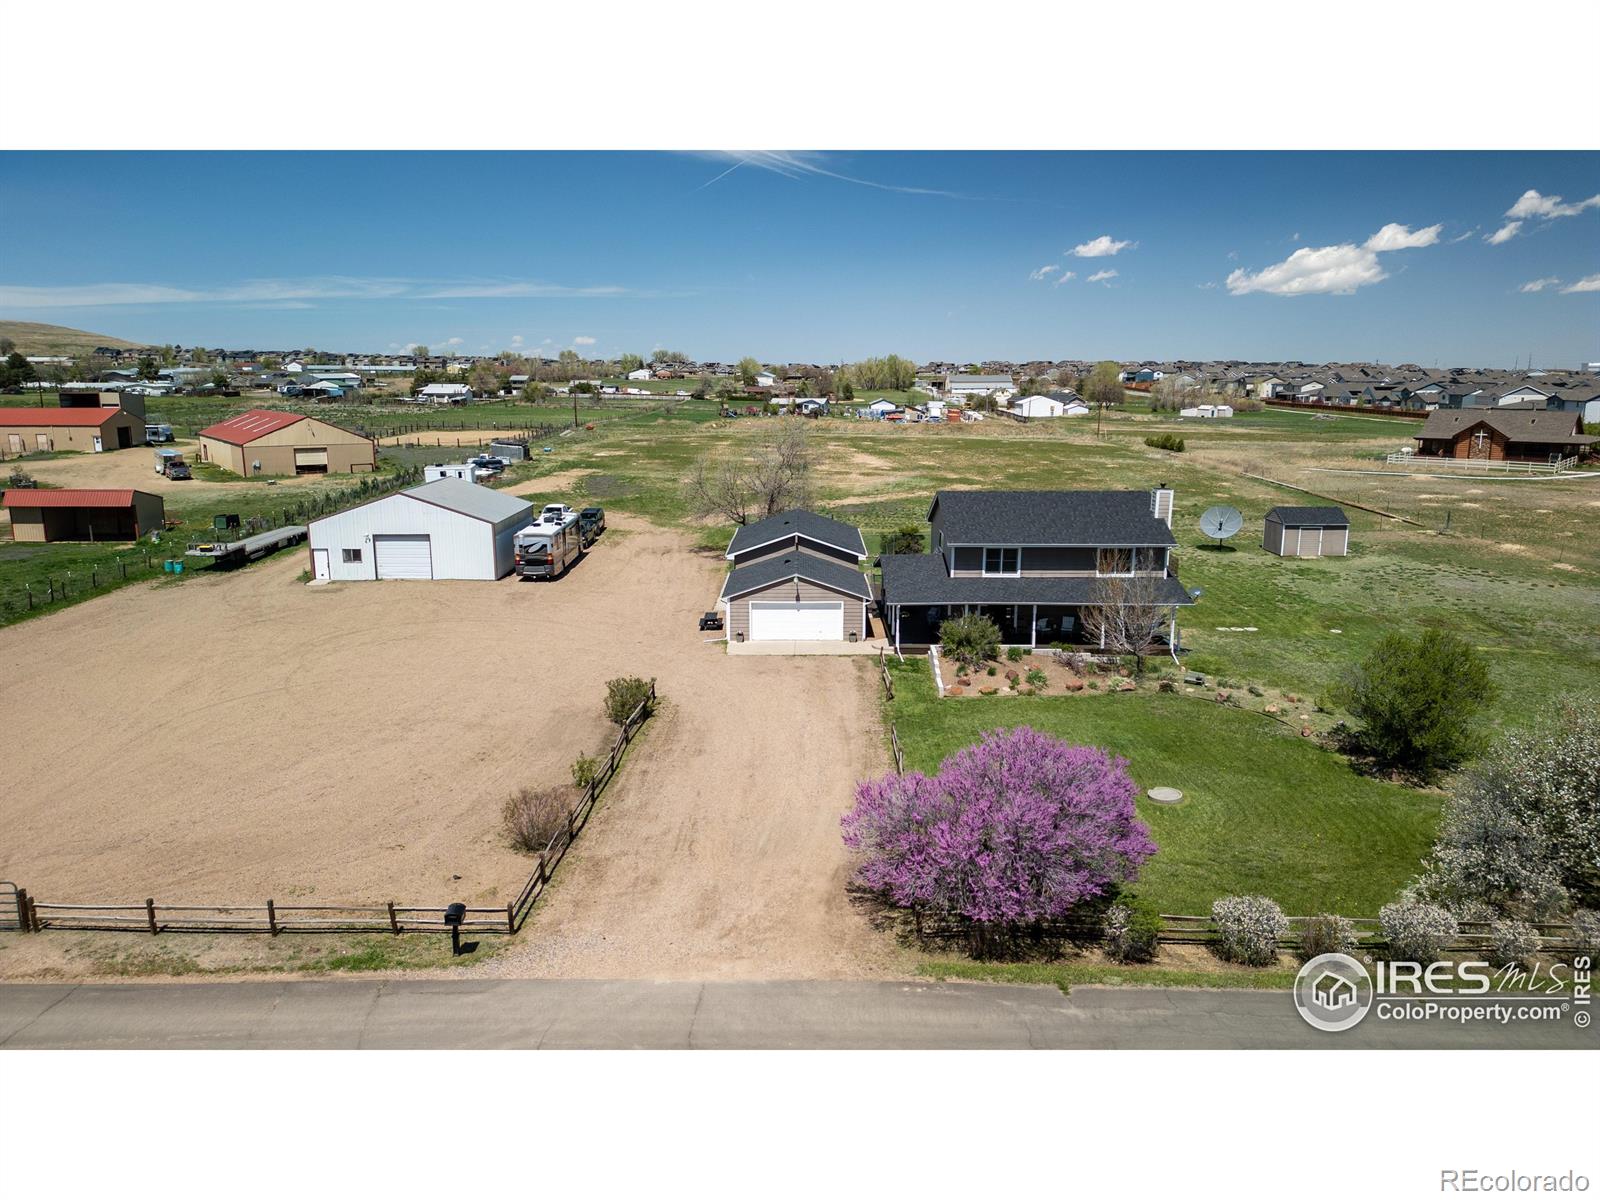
pixel 447 529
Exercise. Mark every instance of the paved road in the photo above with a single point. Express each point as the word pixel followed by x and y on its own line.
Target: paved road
pixel 567 1014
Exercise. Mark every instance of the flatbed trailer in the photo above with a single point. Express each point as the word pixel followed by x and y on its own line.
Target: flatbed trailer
pixel 248 549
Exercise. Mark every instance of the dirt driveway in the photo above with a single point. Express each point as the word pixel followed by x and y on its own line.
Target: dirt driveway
pixel 247 736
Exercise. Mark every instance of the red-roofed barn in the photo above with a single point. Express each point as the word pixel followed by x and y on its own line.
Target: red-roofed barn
pixel 30 430
pixel 81 514
pixel 265 441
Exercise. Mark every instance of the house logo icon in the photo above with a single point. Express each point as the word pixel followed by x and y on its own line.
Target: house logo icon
pixel 1333 992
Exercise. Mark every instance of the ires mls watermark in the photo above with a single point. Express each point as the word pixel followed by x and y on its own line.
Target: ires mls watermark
pixel 1335 992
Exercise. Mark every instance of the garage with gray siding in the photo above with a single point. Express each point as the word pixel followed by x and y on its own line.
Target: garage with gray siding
pixel 797 597
pixel 1306 532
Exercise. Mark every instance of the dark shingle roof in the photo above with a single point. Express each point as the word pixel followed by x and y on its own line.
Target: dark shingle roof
pixel 1050 519
pixel 809 567
pixel 798 521
pixel 1289 514
pixel 922 579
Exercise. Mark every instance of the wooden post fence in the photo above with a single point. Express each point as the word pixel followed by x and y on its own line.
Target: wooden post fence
pixel 150 912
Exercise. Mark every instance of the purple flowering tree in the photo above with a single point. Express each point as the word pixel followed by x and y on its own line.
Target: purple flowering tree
pixel 1020 828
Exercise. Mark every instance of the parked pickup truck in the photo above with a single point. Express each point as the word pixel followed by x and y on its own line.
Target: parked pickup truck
pixel 489 462
pixel 591 523
pixel 556 514
pixel 176 468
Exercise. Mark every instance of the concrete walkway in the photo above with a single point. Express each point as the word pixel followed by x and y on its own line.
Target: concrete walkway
pixel 551 1014
pixel 870 646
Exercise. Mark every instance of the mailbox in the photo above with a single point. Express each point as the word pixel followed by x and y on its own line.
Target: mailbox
pixel 454 914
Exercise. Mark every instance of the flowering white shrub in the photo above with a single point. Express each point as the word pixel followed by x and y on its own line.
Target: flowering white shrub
pixel 1416 931
pixel 1522 831
pixel 1586 931
pixel 1327 933
pixel 1249 929
pixel 1513 942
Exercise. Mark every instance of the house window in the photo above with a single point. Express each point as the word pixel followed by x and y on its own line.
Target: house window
pixel 1001 560
pixel 1151 558
pixel 351 555
pixel 1114 561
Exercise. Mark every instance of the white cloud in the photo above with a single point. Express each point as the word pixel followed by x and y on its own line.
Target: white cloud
pixel 1401 237
pixel 293 292
pixel 1041 272
pixel 1532 204
pixel 1101 277
pixel 1589 283
pixel 1101 247
pixel 1066 275
pixel 583 340
pixel 1336 270
pixel 798 164
pixel 1206 287
pixel 516 339
pixel 1539 285
pixel 1504 234
pixel 1464 236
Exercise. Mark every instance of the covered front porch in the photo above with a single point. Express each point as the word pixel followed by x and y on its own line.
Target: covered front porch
pixel 1028 625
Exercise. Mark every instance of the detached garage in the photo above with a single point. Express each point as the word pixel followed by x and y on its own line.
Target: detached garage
pixel 266 441
pixel 796 597
pixel 1307 532
pixel 447 529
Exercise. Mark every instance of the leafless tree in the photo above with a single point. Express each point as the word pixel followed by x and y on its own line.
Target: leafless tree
pixel 1127 616
pixel 776 477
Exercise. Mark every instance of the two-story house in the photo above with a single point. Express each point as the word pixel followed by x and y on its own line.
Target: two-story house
pixel 1031 562
pixel 796 577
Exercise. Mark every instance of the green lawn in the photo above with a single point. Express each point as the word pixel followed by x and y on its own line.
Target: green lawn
pixel 1265 811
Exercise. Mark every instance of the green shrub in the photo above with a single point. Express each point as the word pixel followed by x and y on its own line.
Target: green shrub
pixel 1249 929
pixel 905 540
pixel 1132 931
pixel 1036 677
pixel 584 768
pixel 970 640
pixel 1418 700
pixel 624 695
pixel 1014 653
pixel 992 670
pixel 1165 441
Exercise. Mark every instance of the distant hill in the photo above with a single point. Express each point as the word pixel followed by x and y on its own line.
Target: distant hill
pixel 33 338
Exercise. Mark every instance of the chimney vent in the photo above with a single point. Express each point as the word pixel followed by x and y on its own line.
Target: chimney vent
pixel 1161 503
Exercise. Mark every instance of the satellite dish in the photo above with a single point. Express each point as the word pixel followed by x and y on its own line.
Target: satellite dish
pixel 1220 522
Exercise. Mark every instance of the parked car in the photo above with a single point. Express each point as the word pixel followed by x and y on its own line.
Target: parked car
pixel 711 620
pixel 591 523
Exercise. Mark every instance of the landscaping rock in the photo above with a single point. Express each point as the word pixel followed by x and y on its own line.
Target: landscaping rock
pixel 955 690
pixel 1291 698
pixel 1224 696
pixel 1305 731
pixel 1124 672
pixel 1073 684
pixel 1271 708
pixel 1255 691
pixel 987 691
pixel 1166 685
pixel 1127 685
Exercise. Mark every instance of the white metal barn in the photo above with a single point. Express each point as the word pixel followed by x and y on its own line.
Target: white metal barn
pixel 447 529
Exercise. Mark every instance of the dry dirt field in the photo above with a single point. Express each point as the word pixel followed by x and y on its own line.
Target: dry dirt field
pixel 252 737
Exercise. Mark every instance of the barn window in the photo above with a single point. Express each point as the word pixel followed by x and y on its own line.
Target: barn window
pixel 351 555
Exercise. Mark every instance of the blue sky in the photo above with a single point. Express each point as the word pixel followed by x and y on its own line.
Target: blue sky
pixel 819 257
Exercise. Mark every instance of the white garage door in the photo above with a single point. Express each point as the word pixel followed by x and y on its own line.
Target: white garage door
pixel 797 621
pixel 403 555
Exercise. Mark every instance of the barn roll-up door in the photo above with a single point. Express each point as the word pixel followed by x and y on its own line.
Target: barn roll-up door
pixel 403 555
pixel 796 620
pixel 310 460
